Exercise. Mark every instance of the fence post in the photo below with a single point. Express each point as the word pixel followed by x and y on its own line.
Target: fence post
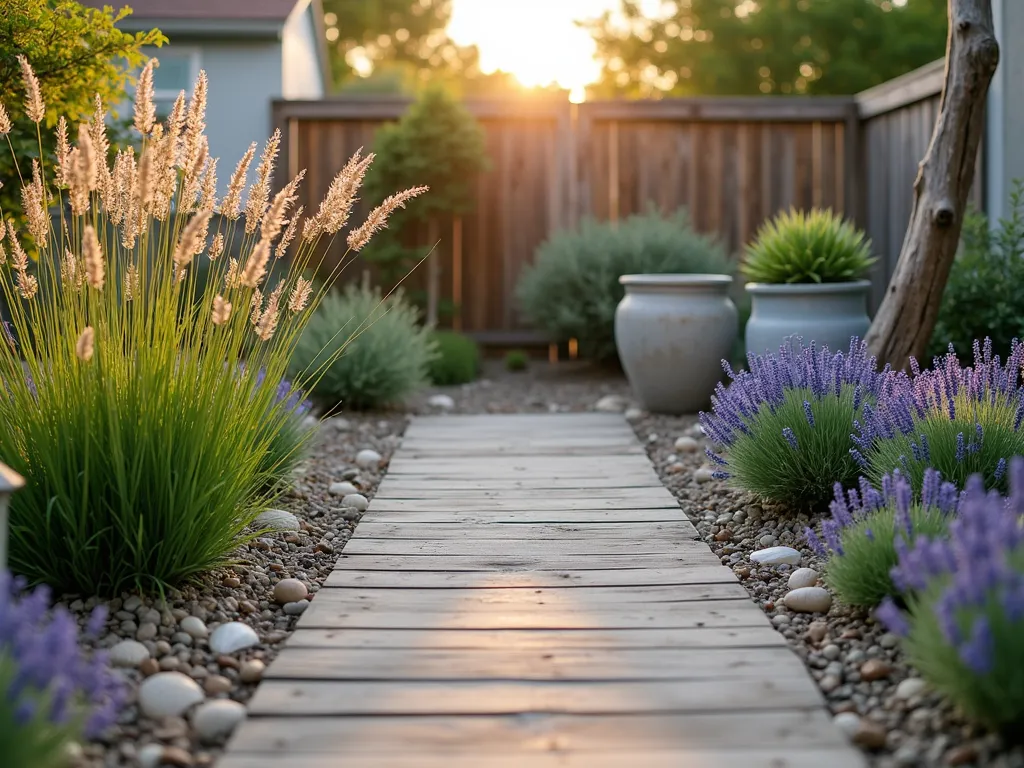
pixel 10 481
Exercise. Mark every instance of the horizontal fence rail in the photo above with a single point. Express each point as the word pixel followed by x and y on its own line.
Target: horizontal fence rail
pixel 731 162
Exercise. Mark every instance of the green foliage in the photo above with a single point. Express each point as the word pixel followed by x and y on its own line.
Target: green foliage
pixel 76 52
pixel 572 288
pixel 365 351
pixel 982 295
pixel 516 360
pixel 815 247
pixel 763 462
pixel 860 574
pixel 457 360
pixel 705 47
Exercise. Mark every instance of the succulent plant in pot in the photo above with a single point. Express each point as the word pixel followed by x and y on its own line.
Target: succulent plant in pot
pixel 805 273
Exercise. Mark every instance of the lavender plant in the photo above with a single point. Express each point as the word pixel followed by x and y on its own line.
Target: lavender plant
pixel 51 693
pixel 785 423
pixel 143 442
pixel 858 542
pixel 964 618
pixel 958 420
pixel 289 442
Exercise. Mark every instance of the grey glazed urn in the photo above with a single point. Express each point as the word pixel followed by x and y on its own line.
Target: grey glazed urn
pixel 672 333
pixel 827 313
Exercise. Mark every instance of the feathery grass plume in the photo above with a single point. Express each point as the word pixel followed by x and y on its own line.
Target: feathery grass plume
pixel 5 121
pixel 858 542
pixel 259 193
pixel 63 147
pixel 964 615
pixel 195 122
pixel 256 306
pixel 34 107
pixel 101 147
pixel 230 206
pixel 956 419
pixel 336 206
pixel 145 108
pixel 289 234
pixel 108 506
pixel 221 310
pixel 378 217
pixel 785 423
pixel 33 202
pixel 92 255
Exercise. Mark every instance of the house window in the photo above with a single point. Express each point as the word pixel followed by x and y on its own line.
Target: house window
pixel 177 72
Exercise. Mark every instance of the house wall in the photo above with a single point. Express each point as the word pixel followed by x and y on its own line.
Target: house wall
pixel 302 74
pixel 1005 156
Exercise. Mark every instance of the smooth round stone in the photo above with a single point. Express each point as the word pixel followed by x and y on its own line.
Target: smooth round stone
pixel 704 475
pixel 632 414
pixel 610 404
pixel 128 653
pixel 215 720
pixel 168 694
pixel 252 671
pixel 803 577
pixel 233 637
pixel 296 608
pixel 289 591
pixel 194 627
pixel 686 444
pixel 216 684
pixel 340 424
pixel 776 556
pixel 147 631
pixel 356 501
pixel 809 600
pixel 848 723
pixel 342 489
pixel 442 402
pixel 277 520
pixel 911 687
pixel 150 755
pixel 368 459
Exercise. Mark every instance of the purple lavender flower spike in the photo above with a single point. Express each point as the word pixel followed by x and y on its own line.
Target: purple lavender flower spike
pixel 892 618
pixel 790 438
pixel 808 414
pixel 961 447
pixel 815 543
pixel 978 653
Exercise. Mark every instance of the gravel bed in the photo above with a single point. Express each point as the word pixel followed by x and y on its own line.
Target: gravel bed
pixel 180 635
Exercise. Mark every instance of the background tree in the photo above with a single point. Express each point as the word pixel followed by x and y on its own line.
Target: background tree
pixel 727 47
pixel 76 52
pixel 437 142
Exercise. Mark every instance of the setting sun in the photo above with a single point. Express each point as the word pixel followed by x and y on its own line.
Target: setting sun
pixel 535 40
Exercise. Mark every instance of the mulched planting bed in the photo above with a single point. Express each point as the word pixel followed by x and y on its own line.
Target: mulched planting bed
pixel 173 640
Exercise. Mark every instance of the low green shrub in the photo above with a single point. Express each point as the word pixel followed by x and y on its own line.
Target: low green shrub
pixel 572 289
pixel 516 360
pixel 858 541
pixel 814 247
pixel 956 419
pixel 457 360
pixel 785 423
pixel 363 350
pixel 964 616
pixel 982 295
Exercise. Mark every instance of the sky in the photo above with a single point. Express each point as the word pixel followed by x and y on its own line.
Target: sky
pixel 535 40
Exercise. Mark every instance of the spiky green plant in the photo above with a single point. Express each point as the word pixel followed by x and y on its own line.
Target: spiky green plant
pixel 457 360
pixel 859 540
pixel 371 351
pixel 812 247
pixel 127 407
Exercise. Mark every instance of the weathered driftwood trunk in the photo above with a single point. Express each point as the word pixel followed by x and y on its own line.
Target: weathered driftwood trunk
pixel 907 315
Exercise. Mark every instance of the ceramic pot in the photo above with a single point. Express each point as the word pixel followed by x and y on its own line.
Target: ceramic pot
pixel 826 313
pixel 672 333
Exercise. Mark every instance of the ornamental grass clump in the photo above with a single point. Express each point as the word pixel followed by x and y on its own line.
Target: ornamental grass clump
pixel 142 439
pixel 964 616
pixel 958 420
pixel 785 423
pixel 290 442
pixel 858 542
pixel 807 247
pixel 51 693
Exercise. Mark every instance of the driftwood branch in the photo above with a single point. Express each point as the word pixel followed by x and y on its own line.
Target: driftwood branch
pixel 907 315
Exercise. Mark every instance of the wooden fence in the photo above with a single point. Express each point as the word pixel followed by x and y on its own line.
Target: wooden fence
pixel 732 162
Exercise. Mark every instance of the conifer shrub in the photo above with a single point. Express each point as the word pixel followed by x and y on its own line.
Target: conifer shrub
pixel 457 360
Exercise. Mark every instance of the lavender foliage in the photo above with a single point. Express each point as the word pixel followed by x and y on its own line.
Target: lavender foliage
pixel 50 691
pixel 958 419
pixel 785 424
pixel 859 540
pixel 964 622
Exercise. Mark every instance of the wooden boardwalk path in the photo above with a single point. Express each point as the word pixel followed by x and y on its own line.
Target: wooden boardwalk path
pixel 522 592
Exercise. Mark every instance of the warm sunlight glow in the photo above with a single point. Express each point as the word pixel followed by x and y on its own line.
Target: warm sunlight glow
pixel 535 40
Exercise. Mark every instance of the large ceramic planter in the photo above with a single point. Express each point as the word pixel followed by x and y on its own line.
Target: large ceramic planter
pixel 672 333
pixel 828 314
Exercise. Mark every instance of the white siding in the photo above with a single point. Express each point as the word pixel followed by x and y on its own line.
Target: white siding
pixel 302 74
pixel 1004 150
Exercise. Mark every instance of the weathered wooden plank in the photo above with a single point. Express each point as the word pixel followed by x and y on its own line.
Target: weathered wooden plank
pixel 783 757
pixel 370 528
pixel 577 547
pixel 763 636
pixel 568 494
pixel 520 517
pixel 508 663
pixel 516 562
pixel 505 450
pixel 351 578
pixel 329 697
